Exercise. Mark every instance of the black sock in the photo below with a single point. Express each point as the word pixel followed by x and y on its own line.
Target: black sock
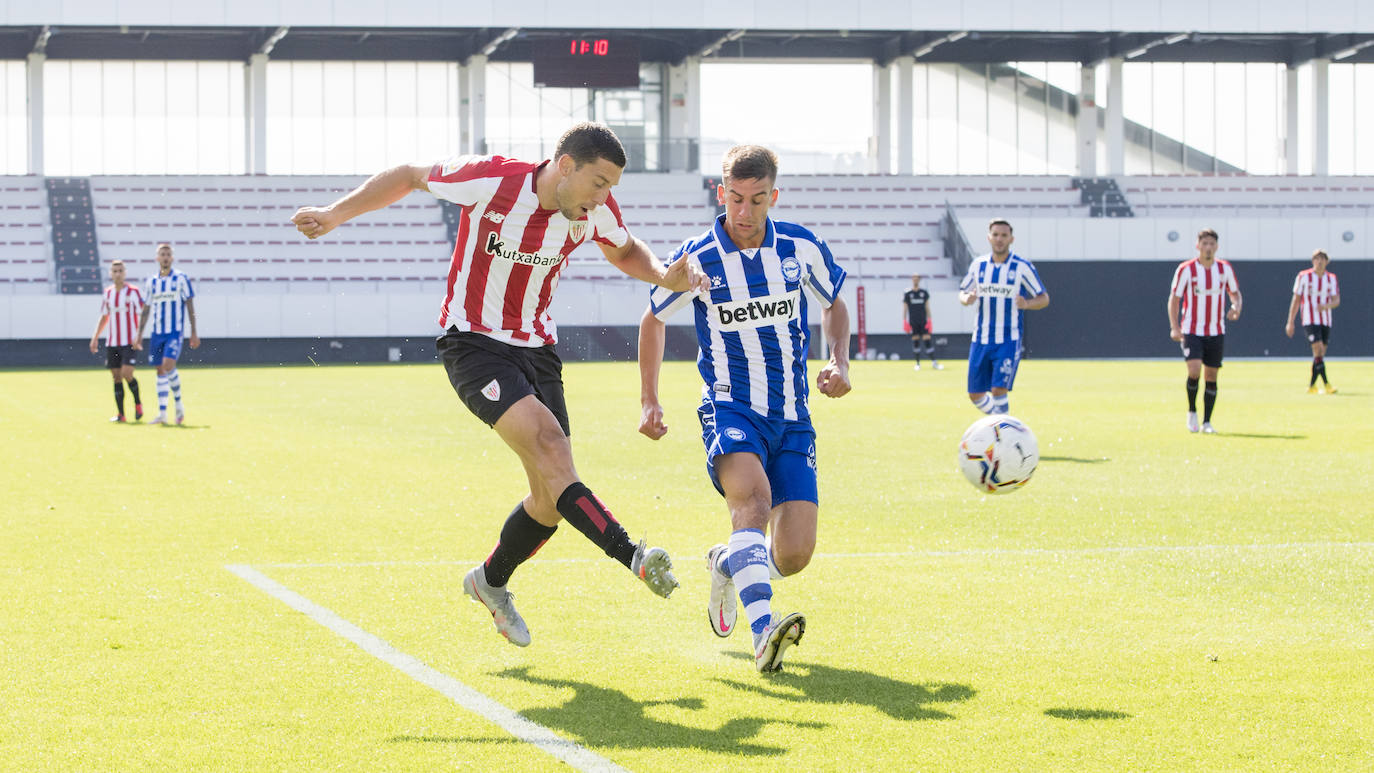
pixel 1316 368
pixel 1321 369
pixel 580 507
pixel 1192 395
pixel 119 396
pixel 1209 399
pixel 930 349
pixel 133 390
pixel 521 537
pixel 916 349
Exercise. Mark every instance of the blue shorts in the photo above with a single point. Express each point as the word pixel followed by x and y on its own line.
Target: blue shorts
pixel 166 346
pixel 787 449
pixel 993 365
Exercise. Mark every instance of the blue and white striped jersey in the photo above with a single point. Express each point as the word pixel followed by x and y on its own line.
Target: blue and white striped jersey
pixel 167 296
pixel 998 286
pixel 751 325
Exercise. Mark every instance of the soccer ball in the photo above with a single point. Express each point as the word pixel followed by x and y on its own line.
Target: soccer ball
pixel 998 454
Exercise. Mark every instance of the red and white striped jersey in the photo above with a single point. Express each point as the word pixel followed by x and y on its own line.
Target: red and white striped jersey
pixel 122 307
pixel 1202 292
pixel 509 251
pixel 1312 291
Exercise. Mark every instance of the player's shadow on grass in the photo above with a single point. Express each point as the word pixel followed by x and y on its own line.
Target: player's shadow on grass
pixel 1082 714
pixel 601 716
pixel 810 683
pixel 1261 436
pixel 1074 459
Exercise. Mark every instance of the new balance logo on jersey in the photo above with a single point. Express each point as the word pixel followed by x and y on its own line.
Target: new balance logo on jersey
pixel 497 248
pixel 757 312
pixel 495 217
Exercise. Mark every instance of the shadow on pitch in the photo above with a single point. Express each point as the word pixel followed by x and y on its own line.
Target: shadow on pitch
pixel 810 683
pixel 1074 459
pixel 1083 714
pixel 1261 436
pixel 601 716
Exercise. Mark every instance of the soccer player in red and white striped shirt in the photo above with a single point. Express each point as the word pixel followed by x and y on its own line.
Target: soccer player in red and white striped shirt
pixel 119 319
pixel 1316 291
pixel 517 225
pixel 1199 292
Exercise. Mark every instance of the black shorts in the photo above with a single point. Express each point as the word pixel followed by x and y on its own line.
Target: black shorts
pixel 1317 333
pixel 918 325
pixel 490 376
pixel 1205 348
pixel 119 356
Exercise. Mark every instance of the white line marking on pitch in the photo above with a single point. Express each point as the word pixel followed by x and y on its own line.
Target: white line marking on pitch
pixel 898 554
pixel 579 757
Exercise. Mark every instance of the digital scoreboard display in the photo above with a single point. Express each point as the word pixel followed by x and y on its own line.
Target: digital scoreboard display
pixel 595 63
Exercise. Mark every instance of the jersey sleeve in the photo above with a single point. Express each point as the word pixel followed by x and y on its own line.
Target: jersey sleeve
pixel 608 227
pixel 1029 279
pixel 187 290
pixel 664 303
pixel 970 277
pixel 105 303
pixel 1298 283
pixel 1231 284
pixel 463 179
pixel 825 277
pixel 1179 287
pixel 139 301
pixel 1335 285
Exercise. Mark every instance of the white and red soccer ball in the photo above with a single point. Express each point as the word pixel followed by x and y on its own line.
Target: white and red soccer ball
pixel 998 454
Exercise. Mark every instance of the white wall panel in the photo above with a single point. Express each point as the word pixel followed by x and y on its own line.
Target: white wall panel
pixel 466 14
pixel 1282 15
pixel 414 314
pixel 253 316
pixel 1069 236
pixel 1101 238
pixel 732 14
pixel 359 315
pixel 1038 14
pixel 307 315
pixel 985 14
pixel 1186 15
pixel 1335 246
pixel 1140 238
pixel 252 12
pixel 1275 238
pixel 880 14
pixel 307 13
pixel 1308 235
pixel 362 13
pixel 416 13
pixel 827 13
pixel 37 316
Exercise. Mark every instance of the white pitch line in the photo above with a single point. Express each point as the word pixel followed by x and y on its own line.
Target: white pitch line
pixel 1124 549
pixel 575 755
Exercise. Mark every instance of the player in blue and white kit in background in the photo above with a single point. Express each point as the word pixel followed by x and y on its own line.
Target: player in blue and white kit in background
pixel 1004 285
pixel 170 304
pixel 753 339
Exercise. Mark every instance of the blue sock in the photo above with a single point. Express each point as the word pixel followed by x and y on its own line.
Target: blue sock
pixel 748 563
pixel 984 404
pixel 1001 404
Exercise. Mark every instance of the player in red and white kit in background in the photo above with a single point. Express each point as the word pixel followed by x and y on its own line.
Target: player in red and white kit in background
pixel 119 310
pixel 519 222
pixel 1199 292
pixel 1317 292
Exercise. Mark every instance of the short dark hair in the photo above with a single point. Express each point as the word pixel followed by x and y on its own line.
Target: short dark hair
pixel 1208 232
pixel 1321 253
pixel 750 162
pixel 588 141
pixel 999 221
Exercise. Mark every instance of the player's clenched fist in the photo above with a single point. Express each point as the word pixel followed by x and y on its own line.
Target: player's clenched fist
pixel 314 222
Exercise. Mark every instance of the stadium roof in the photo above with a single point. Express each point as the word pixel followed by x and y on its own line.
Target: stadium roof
pixel 674 45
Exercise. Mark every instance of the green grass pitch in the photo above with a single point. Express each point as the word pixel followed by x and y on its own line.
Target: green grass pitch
pixel 1152 600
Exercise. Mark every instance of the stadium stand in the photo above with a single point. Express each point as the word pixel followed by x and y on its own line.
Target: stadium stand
pixel 1255 196
pixel 234 235
pixel 76 259
pixel 24 264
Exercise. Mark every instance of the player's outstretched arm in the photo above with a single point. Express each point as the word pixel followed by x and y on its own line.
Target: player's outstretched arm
pixel 381 190
pixel 652 334
pixel 833 379
pixel 635 259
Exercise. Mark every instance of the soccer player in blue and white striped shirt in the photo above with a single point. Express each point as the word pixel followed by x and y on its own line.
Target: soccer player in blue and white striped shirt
pixel 170 304
pixel 1003 285
pixel 753 338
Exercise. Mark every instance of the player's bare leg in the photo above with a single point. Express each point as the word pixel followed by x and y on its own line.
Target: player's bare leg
pixel 792 535
pixel 1319 369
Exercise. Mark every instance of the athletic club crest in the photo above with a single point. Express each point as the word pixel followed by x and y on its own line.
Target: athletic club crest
pixel 577 230
pixel 492 391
